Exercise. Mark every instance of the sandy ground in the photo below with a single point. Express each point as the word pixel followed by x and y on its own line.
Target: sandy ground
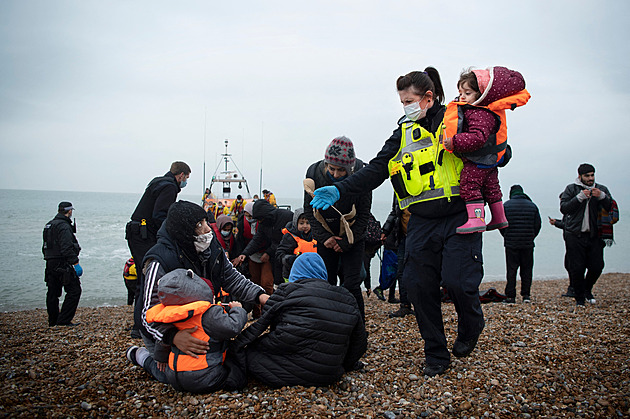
pixel 533 360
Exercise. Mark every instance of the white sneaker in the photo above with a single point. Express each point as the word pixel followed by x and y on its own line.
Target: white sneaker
pixel 591 300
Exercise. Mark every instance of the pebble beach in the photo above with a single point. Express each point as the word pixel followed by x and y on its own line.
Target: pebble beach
pixel 543 359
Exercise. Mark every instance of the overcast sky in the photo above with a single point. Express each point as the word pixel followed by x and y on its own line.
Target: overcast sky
pixel 104 95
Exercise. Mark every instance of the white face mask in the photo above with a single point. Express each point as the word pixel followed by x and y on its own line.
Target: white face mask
pixel 414 111
pixel 225 233
pixel 202 242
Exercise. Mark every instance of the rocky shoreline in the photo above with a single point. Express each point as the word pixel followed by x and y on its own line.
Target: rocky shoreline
pixel 533 360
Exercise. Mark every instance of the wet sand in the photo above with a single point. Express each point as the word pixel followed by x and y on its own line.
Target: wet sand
pixel 533 360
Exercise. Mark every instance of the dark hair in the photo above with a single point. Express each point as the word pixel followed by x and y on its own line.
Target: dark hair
pixel 467 76
pixel 421 82
pixel 585 168
pixel 178 167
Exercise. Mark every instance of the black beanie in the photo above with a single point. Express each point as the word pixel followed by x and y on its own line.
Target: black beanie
pixel 585 168
pixel 181 221
pixel 516 190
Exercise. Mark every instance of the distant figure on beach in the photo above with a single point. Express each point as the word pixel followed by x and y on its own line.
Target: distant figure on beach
pixel 581 204
pixel 333 242
pixel 315 331
pixel 61 252
pixel 186 301
pixel 147 218
pixel 186 241
pixel 518 238
pixel 130 276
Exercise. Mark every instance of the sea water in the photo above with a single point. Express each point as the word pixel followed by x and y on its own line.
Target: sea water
pixel 101 220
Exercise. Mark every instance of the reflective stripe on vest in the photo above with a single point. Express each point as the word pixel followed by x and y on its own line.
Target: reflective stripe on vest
pixel 421 170
pixel 186 316
pixel 303 246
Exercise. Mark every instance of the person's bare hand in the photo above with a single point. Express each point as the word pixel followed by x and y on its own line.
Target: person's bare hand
pixel 264 258
pixel 332 242
pixel 238 260
pixel 586 193
pixel 188 344
pixel 596 192
pixel 383 237
pixel 552 221
pixel 448 143
pixel 262 298
pixel 161 366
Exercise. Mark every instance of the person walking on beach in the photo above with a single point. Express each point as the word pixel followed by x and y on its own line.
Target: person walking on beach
pixel 426 180
pixel 147 218
pixel 61 252
pixel 581 203
pixel 333 243
pixel 518 238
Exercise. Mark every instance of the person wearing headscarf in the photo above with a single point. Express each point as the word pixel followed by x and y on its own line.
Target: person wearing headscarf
pixel 316 332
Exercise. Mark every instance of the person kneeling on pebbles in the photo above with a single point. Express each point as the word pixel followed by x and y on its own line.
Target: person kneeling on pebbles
pixel 185 301
pixel 316 332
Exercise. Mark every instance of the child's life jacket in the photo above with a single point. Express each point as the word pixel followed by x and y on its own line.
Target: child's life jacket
pixel 303 246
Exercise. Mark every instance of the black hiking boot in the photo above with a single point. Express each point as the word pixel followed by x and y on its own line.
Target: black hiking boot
pixel 401 312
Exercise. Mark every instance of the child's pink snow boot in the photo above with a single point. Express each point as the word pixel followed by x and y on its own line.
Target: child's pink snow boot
pixel 476 222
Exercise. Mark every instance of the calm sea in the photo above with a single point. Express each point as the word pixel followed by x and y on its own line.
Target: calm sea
pixel 101 219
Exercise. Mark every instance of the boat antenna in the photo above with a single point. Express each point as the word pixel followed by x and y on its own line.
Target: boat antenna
pixel 262 140
pixel 205 120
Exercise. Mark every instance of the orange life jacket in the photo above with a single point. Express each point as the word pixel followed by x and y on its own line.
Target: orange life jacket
pixel 494 148
pixel 186 316
pixel 303 246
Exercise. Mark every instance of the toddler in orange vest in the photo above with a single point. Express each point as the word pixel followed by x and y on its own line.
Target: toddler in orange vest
pixel 185 302
pixel 476 132
pixel 297 239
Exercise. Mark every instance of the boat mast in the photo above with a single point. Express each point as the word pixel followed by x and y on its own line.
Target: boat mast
pixel 205 120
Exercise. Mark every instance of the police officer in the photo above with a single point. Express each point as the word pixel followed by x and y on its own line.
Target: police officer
pixel 61 252
pixel 426 180
pixel 146 220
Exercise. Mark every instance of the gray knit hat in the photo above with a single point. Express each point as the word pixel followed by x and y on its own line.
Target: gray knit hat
pixel 340 152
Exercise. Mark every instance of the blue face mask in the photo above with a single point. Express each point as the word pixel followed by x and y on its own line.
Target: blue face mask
pixel 332 178
pixel 183 183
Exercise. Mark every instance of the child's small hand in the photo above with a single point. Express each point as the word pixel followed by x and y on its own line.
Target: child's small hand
pixel 235 304
pixel 448 143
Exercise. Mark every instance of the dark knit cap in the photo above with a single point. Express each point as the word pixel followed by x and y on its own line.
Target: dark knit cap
pixel 585 168
pixel 340 152
pixel 516 190
pixel 181 221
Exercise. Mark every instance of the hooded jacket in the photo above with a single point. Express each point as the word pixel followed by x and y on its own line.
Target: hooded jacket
pixel 524 221
pixel 285 253
pixel 181 294
pixel 573 208
pixel 212 264
pixel 158 196
pixel 362 203
pixel 271 221
pixel 316 332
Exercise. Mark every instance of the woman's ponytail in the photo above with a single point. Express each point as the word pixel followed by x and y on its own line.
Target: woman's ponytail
pixel 438 93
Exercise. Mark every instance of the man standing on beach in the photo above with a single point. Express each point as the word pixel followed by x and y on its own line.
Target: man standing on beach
pixel 518 238
pixel 61 252
pixel 146 220
pixel 581 203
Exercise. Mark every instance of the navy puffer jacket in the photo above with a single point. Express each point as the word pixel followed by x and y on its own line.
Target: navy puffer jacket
pixel 316 333
pixel 524 219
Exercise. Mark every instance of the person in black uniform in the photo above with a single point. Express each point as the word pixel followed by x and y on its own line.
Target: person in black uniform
pixel 61 252
pixel 146 220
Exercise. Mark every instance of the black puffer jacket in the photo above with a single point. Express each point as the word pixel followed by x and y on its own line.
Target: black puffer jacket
pixel 524 219
pixel 160 193
pixel 60 241
pixel 362 203
pixel 316 334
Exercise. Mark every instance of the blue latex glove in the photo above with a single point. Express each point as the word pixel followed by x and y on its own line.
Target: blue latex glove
pixel 325 197
pixel 78 269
